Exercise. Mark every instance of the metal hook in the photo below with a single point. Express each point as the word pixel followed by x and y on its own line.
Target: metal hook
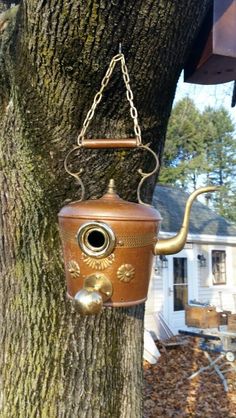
pixel 120 48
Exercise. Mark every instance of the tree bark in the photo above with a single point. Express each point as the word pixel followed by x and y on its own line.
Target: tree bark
pixel 54 363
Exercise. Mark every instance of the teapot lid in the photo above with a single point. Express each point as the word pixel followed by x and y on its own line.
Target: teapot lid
pixel 110 206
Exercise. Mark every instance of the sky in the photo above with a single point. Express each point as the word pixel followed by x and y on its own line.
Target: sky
pixel 213 95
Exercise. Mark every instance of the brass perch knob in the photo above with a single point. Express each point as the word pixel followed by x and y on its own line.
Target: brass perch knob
pixel 96 290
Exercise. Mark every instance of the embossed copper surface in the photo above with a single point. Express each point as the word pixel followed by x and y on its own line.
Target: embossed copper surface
pixel 129 265
pixel 74 269
pixel 126 273
pixel 118 238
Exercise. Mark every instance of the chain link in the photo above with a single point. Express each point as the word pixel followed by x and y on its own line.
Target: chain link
pixel 133 111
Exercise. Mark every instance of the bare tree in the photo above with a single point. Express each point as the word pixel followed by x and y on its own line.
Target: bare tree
pixel 53 55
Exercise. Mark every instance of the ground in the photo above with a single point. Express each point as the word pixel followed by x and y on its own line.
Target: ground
pixel 168 393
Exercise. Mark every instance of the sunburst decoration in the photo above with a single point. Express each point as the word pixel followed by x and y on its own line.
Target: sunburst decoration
pixel 125 273
pixel 98 263
pixel 74 269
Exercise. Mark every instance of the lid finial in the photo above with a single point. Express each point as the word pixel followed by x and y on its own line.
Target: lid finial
pixel 111 187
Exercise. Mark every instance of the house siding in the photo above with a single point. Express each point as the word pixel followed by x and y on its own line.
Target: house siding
pixel 207 231
pixel 234 266
pixel 155 302
pixel 222 296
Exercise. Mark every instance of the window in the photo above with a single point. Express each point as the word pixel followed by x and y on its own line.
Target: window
pixel 219 267
pixel 180 283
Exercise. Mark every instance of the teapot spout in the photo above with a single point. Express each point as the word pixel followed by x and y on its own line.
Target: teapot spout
pixel 176 244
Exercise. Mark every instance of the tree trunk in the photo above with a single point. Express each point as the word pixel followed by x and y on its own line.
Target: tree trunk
pixel 54 363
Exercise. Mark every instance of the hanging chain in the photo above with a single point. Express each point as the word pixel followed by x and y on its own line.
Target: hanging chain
pixel 134 115
pixel 133 111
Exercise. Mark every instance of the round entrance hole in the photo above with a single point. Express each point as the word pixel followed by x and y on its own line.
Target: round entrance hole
pixel 96 239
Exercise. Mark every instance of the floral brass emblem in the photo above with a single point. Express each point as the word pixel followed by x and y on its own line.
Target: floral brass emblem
pixel 98 263
pixel 74 269
pixel 126 273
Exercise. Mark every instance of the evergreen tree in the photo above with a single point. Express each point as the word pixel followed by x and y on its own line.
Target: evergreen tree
pixel 220 153
pixel 200 149
pixel 183 159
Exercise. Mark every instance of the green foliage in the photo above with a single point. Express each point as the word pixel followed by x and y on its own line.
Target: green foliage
pixel 200 149
pixel 220 145
pixel 183 159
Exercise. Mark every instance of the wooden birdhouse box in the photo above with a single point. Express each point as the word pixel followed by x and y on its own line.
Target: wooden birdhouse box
pixel 213 56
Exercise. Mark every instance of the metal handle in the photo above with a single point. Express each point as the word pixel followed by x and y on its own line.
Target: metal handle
pixel 133 111
pixel 109 143
pixel 129 143
pixel 112 143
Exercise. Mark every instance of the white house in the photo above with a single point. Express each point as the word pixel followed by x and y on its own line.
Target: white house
pixel 205 270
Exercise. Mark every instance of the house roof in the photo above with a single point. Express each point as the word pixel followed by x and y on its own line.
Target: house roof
pixel 170 202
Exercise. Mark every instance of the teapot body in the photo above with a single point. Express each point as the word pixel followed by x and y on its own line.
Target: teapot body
pixel 113 239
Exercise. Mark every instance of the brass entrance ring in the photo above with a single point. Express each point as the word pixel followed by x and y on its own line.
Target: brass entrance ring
pixel 96 239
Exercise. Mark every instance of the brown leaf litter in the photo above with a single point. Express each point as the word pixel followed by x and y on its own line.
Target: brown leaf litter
pixel 168 393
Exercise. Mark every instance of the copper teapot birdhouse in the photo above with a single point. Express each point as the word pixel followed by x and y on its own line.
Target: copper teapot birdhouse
pixel 109 243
